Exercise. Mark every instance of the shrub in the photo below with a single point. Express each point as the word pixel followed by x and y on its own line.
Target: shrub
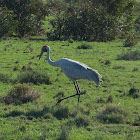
pixel 110 99
pixel 136 69
pixel 35 77
pixel 130 40
pixel 21 93
pixel 4 78
pixel 107 62
pixel 28 22
pixel 129 55
pixel 16 67
pixel 62 112
pixel 8 26
pixel 135 93
pixel 82 121
pixel 48 116
pixel 27 68
pixel 112 114
pixel 100 100
pixel 84 46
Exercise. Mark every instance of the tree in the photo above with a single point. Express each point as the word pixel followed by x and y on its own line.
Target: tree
pixel 94 20
pixel 7 23
pixel 28 14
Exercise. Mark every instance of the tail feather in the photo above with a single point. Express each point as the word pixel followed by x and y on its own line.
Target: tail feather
pixel 93 75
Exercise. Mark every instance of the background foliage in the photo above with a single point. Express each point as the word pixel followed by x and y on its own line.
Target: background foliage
pixel 28 14
pixel 94 20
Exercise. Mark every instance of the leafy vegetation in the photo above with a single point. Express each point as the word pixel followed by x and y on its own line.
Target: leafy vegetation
pixel 71 19
pixel 93 20
pixel 8 26
pixel 28 16
pixel 131 40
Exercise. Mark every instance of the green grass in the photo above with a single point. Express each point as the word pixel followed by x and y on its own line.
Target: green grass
pixel 41 119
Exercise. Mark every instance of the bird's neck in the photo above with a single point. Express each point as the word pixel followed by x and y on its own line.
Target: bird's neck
pixel 50 61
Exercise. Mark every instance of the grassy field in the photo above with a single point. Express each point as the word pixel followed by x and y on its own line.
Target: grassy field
pixel 108 112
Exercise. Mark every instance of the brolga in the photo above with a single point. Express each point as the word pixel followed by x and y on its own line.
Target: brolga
pixel 74 70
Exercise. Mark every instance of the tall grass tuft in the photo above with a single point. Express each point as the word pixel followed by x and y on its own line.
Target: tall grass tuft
pixel 21 93
pixel 112 114
pixel 16 67
pixel 129 55
pixel 35 77
pixel 110 99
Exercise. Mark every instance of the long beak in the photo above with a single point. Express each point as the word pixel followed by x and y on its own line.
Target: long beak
pixel 40 55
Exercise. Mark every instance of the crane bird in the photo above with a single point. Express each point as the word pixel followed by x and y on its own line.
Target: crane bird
pixel 74 70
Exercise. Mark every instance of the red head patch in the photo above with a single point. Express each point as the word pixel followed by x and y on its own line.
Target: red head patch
pixel 45 46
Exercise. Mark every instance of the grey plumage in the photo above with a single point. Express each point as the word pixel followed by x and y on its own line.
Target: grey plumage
pixel 74 70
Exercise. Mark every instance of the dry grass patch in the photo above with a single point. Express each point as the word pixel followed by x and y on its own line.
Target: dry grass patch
pixel 21 93
pixel 129 55
pixel 112 114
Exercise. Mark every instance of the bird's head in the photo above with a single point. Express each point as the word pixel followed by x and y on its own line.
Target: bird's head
pixel 43 49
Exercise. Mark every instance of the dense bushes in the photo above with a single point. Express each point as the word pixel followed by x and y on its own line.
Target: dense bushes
pixel 28 16
pixel 131 39
pixel 79 20
pixel 7 23
pixel 94 20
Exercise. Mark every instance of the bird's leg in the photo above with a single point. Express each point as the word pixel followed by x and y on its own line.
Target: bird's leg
pixel 78 90
pixel 75 84
pixel 66 98
pixel 78 93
